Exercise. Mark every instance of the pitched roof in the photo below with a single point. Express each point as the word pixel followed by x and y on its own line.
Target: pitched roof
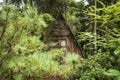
pixel 67 26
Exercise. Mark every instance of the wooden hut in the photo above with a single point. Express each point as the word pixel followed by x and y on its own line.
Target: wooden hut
pixel 62 36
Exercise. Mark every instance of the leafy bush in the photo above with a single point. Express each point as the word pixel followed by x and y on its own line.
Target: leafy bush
pixel 23 55
pixel 103 63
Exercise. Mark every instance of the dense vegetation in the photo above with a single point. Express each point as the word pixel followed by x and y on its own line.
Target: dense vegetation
pixel 24 56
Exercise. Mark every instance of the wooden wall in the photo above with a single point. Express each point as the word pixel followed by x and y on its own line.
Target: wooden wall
pixel 61 33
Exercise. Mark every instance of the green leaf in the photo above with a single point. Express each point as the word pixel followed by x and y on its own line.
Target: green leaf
pixel 117 51
pixel 112 72
pixel 118 78
pixel 18 77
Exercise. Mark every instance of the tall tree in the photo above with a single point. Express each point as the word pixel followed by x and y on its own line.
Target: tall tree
pixel 53 7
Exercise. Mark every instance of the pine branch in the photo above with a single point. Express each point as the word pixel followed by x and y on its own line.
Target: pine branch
pixel 4 28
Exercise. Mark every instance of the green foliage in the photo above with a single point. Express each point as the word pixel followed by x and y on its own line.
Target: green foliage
pixel 112 72
pixel 23 56
pixel 53 7
pixel 69 59
pixel 32 45
pixel 39 64
pixel 42 64
pixel 103 65
pixel 20 44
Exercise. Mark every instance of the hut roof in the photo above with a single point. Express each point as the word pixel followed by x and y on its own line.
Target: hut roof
pixel 71 33
pixel 63 29
pixel 60 30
